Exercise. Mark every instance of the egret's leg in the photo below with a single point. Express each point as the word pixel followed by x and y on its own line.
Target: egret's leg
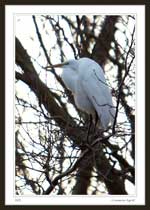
pixel 96 120
pixel 89 127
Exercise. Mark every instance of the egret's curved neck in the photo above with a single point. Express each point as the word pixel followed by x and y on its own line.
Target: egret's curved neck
pixel 69 76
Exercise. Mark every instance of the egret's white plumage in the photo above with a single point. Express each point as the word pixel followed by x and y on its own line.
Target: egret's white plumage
pixel 85 78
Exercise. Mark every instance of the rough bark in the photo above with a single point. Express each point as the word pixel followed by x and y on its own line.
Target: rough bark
pixel 102 46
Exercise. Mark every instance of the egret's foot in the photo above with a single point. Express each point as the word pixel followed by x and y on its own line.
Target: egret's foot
pixel 89 147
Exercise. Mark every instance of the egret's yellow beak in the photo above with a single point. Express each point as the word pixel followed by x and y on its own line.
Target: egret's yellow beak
pixel 57 65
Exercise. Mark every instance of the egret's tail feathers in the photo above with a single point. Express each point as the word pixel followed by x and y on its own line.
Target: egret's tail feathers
pixel 107 116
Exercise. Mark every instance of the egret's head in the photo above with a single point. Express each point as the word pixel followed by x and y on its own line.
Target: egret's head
pixel 70 64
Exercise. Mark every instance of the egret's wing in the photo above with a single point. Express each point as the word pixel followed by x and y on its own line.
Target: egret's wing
pixel 96 89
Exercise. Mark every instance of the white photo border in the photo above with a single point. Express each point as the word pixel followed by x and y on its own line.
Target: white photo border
pixel 10 197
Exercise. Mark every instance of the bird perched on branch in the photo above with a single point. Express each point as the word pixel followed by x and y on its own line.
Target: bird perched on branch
pixel 85 78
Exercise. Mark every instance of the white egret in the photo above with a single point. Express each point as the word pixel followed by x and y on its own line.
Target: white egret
pixel 85 78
